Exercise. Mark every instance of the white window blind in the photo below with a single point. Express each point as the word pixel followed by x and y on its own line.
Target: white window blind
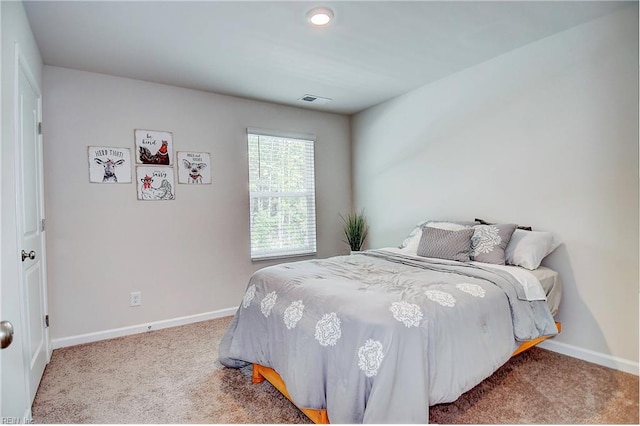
pixel 282 196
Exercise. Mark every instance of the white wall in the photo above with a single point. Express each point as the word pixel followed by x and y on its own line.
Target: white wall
pixel 547 136
pixel 102 242
pixel 14 29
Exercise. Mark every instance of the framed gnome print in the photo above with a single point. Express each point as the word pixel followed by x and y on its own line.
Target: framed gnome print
pixel 153 147
pixel 194 168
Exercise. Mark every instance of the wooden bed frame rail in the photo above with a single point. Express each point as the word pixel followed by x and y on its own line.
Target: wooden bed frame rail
pixel 260 373
pixel 531 343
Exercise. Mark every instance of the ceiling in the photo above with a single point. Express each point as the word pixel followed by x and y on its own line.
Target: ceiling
pixel 264 50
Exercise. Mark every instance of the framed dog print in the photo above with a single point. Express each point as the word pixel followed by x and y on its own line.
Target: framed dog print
pixel 155 183
pixel 108 164
pixel 194 168
pixel 153 147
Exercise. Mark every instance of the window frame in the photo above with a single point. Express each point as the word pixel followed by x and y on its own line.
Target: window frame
pixel 311 250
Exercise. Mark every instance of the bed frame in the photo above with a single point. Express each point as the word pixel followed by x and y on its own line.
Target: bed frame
pixel 260 373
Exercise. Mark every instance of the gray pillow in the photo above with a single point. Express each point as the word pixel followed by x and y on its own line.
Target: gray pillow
pixel 489 242
pixel 444 244
pixel 414 232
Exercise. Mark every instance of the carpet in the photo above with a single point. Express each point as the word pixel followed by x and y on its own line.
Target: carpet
pixel 173 376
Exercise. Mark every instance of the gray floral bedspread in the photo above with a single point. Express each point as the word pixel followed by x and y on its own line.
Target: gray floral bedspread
pixel 378 337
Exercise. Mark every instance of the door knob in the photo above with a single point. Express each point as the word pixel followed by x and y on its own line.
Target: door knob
pixel 6 334
pixel 31 255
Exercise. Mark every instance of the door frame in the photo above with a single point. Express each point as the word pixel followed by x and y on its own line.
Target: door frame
pixel 22 65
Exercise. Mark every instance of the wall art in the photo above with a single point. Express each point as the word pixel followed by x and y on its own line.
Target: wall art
pixel 109 164
pixel 155 183
pixel 194 167
pixel 153 147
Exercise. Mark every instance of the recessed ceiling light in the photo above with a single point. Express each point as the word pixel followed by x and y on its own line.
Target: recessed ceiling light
pixel 320 16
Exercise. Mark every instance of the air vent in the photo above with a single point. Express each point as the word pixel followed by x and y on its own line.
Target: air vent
pixel 313 99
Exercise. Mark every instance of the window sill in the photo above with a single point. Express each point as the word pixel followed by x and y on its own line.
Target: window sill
pixel 282 256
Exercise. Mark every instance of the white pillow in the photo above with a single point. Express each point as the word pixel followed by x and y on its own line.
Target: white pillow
pixel 411 243
pixel 528 248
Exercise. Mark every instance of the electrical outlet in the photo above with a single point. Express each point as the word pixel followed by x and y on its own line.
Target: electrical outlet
pixel 135 298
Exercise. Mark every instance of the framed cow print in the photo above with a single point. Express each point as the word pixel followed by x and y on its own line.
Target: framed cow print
pixel 109 164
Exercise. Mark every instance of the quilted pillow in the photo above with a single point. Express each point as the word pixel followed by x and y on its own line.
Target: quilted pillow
pixel 445 244
pixel 489 242
pixel 410 244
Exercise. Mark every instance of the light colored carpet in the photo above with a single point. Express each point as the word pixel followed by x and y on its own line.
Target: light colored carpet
pixel 173 376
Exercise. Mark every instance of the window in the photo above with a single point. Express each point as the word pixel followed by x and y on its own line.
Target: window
pixel 282 195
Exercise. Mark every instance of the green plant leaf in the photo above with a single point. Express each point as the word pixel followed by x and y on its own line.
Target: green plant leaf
pixel 355 230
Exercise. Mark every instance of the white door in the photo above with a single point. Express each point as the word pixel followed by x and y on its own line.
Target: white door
pixel 31 227
pixel 31 300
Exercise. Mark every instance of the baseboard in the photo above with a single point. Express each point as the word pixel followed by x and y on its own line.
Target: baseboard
pixel 591 356
pixel 559 347
pixel 141 328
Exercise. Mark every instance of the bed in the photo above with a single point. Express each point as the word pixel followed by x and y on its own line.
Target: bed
pixel 379 336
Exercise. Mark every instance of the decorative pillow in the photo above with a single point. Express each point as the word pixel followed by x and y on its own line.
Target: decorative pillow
pixel 528 248
pixel 489 242
pixel 410 244
pixel 484 222
pixel 445 244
